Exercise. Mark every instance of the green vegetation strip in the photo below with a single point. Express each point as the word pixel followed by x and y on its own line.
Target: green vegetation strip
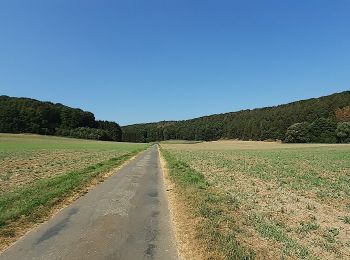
pixel 274 231
pixel 32 203
pixel 217 228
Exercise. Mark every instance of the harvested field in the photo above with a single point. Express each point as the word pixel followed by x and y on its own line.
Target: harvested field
pixel 41 174
pixel 27 158
pixel 274 201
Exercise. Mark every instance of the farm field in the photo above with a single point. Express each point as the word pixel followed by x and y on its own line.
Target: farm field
pixel 261 200
pixel 38 172
pixel 27 158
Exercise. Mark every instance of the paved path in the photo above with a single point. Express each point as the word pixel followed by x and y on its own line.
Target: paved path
pixel 126 217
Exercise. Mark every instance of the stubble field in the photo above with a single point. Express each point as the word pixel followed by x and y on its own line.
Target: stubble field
pixel 38 173
pixel 257 200
pixel 27 158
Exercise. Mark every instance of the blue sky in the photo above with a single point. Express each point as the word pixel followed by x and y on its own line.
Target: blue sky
pixel 141 61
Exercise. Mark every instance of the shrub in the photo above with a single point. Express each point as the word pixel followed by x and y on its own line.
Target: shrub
pixel 343 132
pixel 298 133
pixel 90 133
pixel 85 133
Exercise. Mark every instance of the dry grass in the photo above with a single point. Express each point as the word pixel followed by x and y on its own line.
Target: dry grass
pixel 21 168
pixel 293 199
pixel 189 247
pixel 25 159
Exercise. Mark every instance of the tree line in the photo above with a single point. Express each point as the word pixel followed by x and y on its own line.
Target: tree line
pixel 324 119
pixel 25 115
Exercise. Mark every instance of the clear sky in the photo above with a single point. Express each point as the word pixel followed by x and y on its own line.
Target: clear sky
pixel 140 61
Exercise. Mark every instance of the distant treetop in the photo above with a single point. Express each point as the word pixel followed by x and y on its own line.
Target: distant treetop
pixel 25 115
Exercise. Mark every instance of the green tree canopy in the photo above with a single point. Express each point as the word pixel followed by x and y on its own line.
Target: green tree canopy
pixel 25 115
pixel 298 133
pixel 343 132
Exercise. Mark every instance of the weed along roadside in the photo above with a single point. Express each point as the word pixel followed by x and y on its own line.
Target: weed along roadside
pixel 210 208
pixel 25 206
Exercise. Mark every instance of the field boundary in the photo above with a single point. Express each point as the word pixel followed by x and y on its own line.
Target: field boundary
pixel 181 220
pixel 205 222
pixel 12 230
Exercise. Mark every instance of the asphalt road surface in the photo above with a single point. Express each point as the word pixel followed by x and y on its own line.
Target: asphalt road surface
pixel 126 217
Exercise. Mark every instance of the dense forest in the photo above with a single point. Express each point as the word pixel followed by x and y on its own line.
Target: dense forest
pixel 24 115
pixel 325 119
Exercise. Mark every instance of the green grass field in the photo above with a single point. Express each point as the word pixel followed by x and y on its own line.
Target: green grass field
pixel 266 200
pixel 38 172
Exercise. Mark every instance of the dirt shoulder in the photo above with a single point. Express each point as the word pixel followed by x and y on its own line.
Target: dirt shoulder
pixel 184 223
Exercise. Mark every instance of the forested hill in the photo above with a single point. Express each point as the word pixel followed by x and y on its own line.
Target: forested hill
pixel 25 115
pixel 311 120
